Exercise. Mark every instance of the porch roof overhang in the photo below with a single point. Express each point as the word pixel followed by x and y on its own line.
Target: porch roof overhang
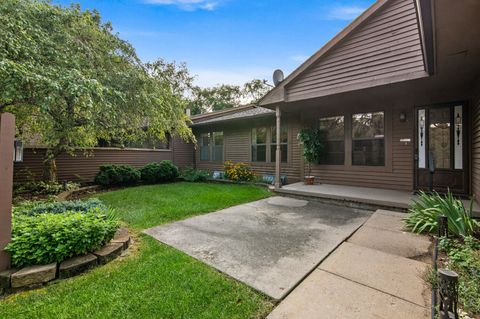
pixel 451 54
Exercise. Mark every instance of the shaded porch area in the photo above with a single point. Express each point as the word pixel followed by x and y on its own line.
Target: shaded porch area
pixel 375 197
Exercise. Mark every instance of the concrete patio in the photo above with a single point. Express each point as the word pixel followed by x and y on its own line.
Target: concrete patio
pixel 270 245
pixel 374 197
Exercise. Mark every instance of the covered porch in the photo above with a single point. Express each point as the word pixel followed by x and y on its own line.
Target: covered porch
pixel 361 196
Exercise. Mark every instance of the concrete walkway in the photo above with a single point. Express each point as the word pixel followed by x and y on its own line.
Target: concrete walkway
pixel 377 273
pixel 270 244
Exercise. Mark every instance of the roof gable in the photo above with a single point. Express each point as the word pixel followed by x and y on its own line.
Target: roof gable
pixel 381 46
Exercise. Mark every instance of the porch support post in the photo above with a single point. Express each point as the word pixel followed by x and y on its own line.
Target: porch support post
pixel 278 182
pixel 7 136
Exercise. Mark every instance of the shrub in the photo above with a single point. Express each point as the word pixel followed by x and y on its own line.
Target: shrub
pixel 423 216
pixel 161 172
pixel 47 238
pixel 117 175
pixel 464 258
pixel 195 175
pixel 35 208
pixel 44 188
pixel 239 172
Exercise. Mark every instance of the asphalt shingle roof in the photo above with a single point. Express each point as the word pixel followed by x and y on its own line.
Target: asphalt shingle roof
pixel 257 111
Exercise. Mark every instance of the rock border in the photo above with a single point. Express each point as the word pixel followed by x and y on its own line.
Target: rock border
pixel 66 195
pixel 14 280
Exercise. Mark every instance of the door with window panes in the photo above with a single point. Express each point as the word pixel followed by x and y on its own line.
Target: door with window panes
pixel 442 140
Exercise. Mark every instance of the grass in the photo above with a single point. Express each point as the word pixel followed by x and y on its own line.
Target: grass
pixel 147 206
pixel 155 281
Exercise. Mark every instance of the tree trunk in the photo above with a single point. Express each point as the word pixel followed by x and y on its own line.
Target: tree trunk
pixel 50 164
pixel 50 170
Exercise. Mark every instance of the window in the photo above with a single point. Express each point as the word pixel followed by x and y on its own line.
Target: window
pixel 259 144
pixel 217 146
pixel 283 143
pixel 205 147
pixel 334 128
pixel 368 139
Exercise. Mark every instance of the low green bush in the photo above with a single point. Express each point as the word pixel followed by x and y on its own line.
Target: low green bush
pixel 117 175
pixel 35 208
pixel 46 238
pixel 43 188
pixel 424 212
pixel 463 257
pixel 162 172
pixel 238 172
pixel 194 175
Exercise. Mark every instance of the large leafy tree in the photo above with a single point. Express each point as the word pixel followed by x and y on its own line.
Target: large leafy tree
pixel 226 96
pixel 71 81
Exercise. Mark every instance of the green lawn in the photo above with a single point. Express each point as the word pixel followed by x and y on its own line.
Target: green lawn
pixel 155 281
pixel 147 206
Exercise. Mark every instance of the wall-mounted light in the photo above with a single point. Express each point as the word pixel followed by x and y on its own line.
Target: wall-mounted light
pixel 403 117
pixel 17 151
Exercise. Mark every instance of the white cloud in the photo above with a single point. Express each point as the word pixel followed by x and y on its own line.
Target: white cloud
pixel 213 77
pixel 345 12
pixel 187 5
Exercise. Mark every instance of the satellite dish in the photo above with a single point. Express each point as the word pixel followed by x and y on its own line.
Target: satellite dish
pixel 277 77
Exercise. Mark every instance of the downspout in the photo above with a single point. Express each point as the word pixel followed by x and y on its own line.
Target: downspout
pixel 278 182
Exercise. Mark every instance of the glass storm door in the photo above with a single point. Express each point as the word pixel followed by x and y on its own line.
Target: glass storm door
pixel 441 160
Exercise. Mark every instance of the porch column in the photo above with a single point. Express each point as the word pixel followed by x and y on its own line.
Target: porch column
pixel 278 155
pixel 7 136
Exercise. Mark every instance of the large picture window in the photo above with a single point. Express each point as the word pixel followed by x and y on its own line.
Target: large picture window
pixel 368 139
pixel 205 147
pixel 283 144
pixel 217 146
pixel 211 146
pixel 334 128
pixel 259 144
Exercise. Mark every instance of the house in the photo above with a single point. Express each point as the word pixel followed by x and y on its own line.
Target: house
pixel 397 90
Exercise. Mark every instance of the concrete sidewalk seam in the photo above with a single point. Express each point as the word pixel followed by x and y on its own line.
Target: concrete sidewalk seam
pixel 384 292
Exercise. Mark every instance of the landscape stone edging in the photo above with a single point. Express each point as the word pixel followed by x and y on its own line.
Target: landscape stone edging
pixel 63 196
pixel 13 280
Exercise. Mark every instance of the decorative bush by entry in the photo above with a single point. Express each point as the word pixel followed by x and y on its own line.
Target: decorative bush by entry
pixel 423 215
pixel 239 172
pixel 117 175
pixel 53 237
pixel 162 172
pixel 194 175
pixel 34 208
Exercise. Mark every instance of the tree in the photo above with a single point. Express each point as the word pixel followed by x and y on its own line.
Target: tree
pixel 226 96
pixel 71 81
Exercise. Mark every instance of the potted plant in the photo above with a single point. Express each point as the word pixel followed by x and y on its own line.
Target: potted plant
pixel 313 141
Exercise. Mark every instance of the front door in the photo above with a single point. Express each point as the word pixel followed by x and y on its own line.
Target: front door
pixel 441 159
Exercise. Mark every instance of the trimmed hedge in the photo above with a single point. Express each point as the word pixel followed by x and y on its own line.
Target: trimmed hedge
pixel 117 175
pixel 53 237
pixel 162 172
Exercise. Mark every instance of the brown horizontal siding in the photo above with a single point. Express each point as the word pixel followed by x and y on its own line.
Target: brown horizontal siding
pixel 84 165
pixel 386 45
pixel 237 149
pixel 183 153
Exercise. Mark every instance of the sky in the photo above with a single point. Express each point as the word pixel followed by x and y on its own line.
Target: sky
pixel 227 41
